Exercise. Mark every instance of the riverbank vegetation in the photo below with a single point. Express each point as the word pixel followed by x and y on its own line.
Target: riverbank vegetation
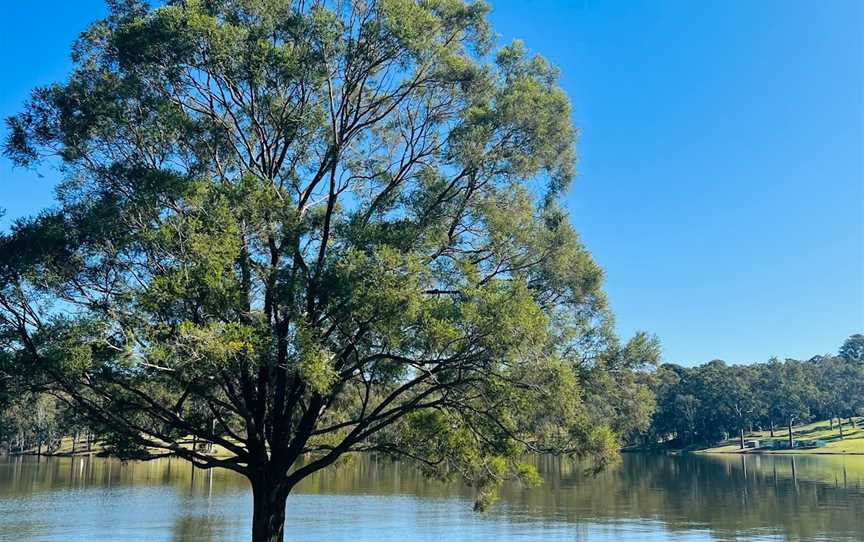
pixel 825 433
pixel 699 407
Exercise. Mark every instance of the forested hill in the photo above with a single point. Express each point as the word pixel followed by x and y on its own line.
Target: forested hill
pixel 705 404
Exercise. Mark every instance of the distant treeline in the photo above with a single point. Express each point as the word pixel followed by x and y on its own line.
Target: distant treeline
pixel 706 404
pixel 37 422
pixel 667 405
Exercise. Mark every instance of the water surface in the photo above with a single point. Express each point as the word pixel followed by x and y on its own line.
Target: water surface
pixel 645 498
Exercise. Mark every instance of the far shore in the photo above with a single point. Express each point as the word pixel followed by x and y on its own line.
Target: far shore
pixel 851 443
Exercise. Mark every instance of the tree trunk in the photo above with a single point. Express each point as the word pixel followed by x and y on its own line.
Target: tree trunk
pixel 840 425
pixel 741 440
pixel 831 423
pixel 791 439
pixel 268 509
pixel 212 430
pixel 771 428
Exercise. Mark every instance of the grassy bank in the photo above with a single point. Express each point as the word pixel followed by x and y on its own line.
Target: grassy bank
pixel 65 448
pixel 852 442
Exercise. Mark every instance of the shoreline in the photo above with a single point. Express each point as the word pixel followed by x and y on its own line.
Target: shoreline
pixel 766 452
pixel 715 451
pixel 709 451
pixel 823 432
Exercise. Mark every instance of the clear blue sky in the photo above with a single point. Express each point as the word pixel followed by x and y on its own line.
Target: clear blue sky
pixel 722 158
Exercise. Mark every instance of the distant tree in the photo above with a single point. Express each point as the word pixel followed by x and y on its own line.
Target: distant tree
pixel 792 390
pixel 711 384
pixel 666 420
pixel 741 399
pixel 618 385
pixel 8 431
pixel 688 406
pixel 852 349
pixel 298 229
pixel 841 387
pixel 45 417
pixel 692 403
pixel 15 430
pixel 30 421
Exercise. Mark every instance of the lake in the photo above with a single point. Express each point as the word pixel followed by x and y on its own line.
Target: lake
pixel 645 498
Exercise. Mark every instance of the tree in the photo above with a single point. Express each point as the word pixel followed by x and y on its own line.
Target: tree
pixel 30 421
pixel 841 386
pixel 710 385
pixel 617 384
pixel 739 399
pixel 688 406
pixel 665 420
pixel 853 349
pixel 791 391
pixel 303 229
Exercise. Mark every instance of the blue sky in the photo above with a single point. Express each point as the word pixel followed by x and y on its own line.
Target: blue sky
pixel 721 179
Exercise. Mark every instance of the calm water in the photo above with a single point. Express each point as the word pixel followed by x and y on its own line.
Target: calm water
pixel 645 498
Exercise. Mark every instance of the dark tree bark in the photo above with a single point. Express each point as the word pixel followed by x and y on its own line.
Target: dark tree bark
pixel 268 507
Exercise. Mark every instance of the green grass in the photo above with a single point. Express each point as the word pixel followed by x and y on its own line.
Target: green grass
pixel 852 443
pixel 65 448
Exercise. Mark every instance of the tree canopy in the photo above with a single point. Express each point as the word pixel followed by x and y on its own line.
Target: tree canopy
pixel 853 349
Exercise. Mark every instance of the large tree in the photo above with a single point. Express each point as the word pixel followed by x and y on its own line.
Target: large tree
pixel 301 229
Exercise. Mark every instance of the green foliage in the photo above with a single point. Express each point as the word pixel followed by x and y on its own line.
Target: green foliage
pixel 31 421
pixel 853 349
pixel 315 363
pixel 703 405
